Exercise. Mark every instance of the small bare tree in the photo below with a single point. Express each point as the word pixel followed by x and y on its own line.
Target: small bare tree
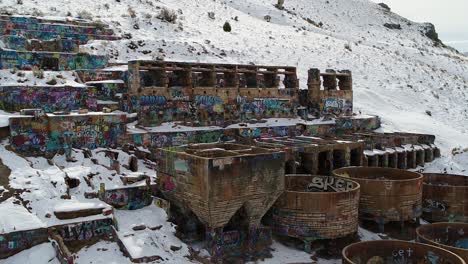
pixel 280 4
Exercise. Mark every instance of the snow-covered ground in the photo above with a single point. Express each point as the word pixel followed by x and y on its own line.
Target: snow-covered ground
pixel 398 74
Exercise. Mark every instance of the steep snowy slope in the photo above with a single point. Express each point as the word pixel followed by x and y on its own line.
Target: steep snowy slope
pixel 399 74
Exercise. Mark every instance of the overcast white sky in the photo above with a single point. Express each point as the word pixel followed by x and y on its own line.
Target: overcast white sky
pixel 449 16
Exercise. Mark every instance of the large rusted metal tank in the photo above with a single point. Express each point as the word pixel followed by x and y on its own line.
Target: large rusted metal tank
pixel 445 198
pixel 397 251
pixel 387 194
pixel 316 207
pixel 450 236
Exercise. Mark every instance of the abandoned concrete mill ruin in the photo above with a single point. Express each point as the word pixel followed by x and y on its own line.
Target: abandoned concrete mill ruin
pixel 242 155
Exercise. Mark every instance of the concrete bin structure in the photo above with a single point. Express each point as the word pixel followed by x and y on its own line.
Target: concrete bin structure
pixel 450 236
pixel 218 182
pixel 316 207
pixel 387 195
pixel 396 251
pixel 445 197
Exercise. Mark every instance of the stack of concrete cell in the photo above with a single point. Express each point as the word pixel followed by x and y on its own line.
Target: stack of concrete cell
pixel 314 155
pixel 316 207
pixel 210 94
pixel 387 195
pixel 220 181
pixel 445 197
pixel 397 150
pixel 396 251
pixel 330 92
pixel 50 44
pixel 450 236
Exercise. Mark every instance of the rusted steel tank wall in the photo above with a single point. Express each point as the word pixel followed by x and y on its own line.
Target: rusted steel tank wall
pixel 445 197
pixel 396 251
pixel 386 194
pixel 450 236
pixel 317 207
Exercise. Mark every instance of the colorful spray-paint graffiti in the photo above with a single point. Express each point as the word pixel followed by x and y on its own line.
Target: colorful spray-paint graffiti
pixel 128 198
pixel 50 99
pixel 102 75
pixel 50 134
pixel 26 60
pixel 15 242
pixel 20 43
pixel 210 110
pixel 86 230
pixel 336 106
pixel 46 29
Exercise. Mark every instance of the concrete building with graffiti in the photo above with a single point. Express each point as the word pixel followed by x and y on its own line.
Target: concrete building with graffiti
pixel 49 98
pixel 50 133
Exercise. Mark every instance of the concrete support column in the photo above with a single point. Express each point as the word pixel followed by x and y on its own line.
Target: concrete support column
pixel 214 244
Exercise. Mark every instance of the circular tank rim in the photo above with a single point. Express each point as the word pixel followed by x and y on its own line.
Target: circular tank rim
pixel 418 234
pixel 420 176
pixel 358 186
pixel 345 257
pixel 444 175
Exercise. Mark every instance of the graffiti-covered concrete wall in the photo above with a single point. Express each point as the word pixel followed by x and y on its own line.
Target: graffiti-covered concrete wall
pixel 45 29
pixel 210 94
pixel 83 231
pixel 130 198
pixel 15 242
pixel 330 92
pixel 50 99
pixel 52 133
pixel 21 43
pixel 26 60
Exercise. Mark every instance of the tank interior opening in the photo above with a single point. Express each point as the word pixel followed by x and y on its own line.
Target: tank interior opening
pixel 356 157
pixel 410 162
pixel 392 161
pixel 401 161
pixel 420 157
pixel 324 164
pixel 372 161
pixel 428 155
pixel 153 78
pixel 381 161
pixel 339 158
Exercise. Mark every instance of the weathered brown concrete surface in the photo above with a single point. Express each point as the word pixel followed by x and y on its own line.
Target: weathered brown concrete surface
pixel 386 194
pixel 314 155
pixel 445 197
pixel 396 251
pixel 450 236
pixel 216 180
pixel 317 207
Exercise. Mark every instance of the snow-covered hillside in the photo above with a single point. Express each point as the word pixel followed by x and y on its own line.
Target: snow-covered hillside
pixel 399 74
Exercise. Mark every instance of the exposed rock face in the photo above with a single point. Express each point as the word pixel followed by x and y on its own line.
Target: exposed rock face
pixel 385 6
pixel 430 32
pixel 392 26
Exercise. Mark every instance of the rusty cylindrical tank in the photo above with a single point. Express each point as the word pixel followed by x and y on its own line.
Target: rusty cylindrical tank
pixel 397 251
pixel 387 194
pixel 317 207
pixel 445 197
pixel 450 236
